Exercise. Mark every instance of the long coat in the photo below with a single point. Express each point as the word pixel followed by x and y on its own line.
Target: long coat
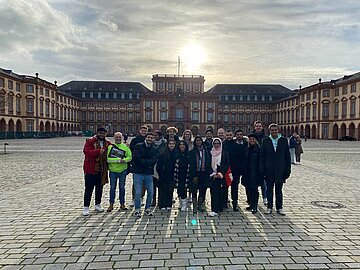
pixel 192 164
pixel 252 177
pixel 275 166
pixel 165 168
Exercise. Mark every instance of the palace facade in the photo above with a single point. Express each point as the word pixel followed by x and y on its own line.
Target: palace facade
pixel 29 105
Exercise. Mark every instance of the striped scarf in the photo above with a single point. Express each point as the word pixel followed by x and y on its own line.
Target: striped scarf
pixel 200 159
pixel 176 173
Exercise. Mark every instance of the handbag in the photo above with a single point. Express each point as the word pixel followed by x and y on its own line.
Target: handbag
pixel 228 177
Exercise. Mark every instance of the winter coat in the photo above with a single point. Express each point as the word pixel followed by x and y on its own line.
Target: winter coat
pixel 260 136
pixel 275 166
pixel 95 163
pixel 224 166
pixel 165 168
pixel 135 141
pixel 144 159
pixel 182 170
pixel 292 142
pixel 193 168
pixel 252 177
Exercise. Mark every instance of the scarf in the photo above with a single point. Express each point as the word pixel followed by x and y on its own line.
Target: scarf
pixel 216 156
pixel 181 166
pixel 275 141
pixel 101 161
pixel 200 159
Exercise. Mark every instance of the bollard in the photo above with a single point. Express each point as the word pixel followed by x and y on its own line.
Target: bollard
pixel 5 144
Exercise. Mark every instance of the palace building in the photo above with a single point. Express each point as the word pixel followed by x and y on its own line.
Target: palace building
pixel 30 105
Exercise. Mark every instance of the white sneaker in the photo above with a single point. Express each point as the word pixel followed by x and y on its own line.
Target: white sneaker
pixel 213 214
pixel 163 209
pixel 168 208
pixel 280 212
pixel 86 211
pixel 132 203
pixel 98 208
pixel 265 201
pixel 268 211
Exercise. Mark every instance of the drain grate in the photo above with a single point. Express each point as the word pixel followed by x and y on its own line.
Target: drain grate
pixel 328 204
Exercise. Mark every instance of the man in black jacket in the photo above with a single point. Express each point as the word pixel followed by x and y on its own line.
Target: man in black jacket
pixel 144 159
pixel 275 165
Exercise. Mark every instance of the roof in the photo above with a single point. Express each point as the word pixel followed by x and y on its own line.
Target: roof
pixel 104 86
pixel 265 89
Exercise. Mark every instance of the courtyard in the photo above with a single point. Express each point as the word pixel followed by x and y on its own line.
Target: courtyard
pixel 41 226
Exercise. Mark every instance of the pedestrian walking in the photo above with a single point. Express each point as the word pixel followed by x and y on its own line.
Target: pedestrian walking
pixel 292 146
pixel 298 150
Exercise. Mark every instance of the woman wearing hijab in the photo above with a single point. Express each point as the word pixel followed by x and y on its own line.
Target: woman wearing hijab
pixel 182 172
pixel 165 169
pixel 219 164
pixel 200 170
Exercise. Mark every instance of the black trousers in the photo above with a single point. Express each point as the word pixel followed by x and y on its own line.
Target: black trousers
pixel 91 181
pixel 165 197
pixel 254 197
pixel 201 187
pixel 217 192
pixel 235 189
pixel 181 189
pixel 278 194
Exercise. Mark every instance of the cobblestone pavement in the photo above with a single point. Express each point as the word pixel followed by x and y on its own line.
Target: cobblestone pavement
pixel 41 226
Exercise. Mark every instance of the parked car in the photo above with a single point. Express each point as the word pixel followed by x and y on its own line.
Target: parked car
pixel 347 138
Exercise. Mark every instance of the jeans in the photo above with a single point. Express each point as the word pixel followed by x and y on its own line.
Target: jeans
pixel 91 181
pixel 278 195
pixel 114 176
pixel 292 155
pixel 264 190
pixel 141 180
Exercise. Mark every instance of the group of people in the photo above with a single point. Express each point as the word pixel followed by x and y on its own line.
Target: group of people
pixel 190 165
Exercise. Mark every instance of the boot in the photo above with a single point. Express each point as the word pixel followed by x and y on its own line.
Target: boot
pixel 195 205
pixel 201 206
pixel 110 208
pixel 183 204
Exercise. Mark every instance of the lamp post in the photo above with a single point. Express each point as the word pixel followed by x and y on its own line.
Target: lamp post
pixel 5 144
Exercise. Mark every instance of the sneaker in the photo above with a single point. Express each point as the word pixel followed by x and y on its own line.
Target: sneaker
pixel 265 201
pixel 86 211
pixel 98 208
pixel 123 207
pixel 168 208
pixel 110 208
pixel 254 211
pixel 268 211
pixel 163 209
pixel 132 203
pixel 213 214
pixel 280 212
pixel 137 214
pixel 249 208
pixel 148 212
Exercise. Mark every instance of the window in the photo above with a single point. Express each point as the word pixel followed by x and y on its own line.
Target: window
pixel 344 90
pixel 114 115
pixel 52 94
pixel 337 92
pixel 196 86
pixel 344 108
pixel 233 97
pixel 326 93
pixel 302 98
pixel 325 110
pixel 122 116
pixel 314 95
pixel 10 84
pixel 210 105
pixel 148 104
pixel 114 95
pixel 47 108
pixel 148 116
pixel 30 105
pixel 122 95
pixel 302 113
pixel 83 95
pixel 187 86
pixel 106 95
pixel 91 116
pixel 353 88
pixel 30 88
pixel 18 105
pixel 233 118
pixel 107 116
pixel 17 86
pixel 307 96
pixel 170 85
pixel 307 111
pixel 10 104
pixel 336 110
pixel 179 113
pixel 29 126
pixel 270 98
pixel 241 98
pixel 47 93
pixel 163 116
pixel 248 98
pixel 99 95
pixel 325 130
pixel 241 118
pixel 210 116
pixel 195 105
pixel 352 107
pixel 262 98
pixel 99 116
pixel 163 104
pixel 161 85
pixel 130 95
pixel 195 116
pixel 2 82
pixel 226 118
pixel 314 111
pixel 41 107
pixel 130 116
pixel 226 98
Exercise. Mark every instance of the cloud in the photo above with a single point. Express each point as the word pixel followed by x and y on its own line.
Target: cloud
pixel 284 42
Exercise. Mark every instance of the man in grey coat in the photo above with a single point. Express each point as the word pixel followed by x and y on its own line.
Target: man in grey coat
pixel 275 165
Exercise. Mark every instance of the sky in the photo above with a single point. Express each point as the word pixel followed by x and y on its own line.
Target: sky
pixel 287 42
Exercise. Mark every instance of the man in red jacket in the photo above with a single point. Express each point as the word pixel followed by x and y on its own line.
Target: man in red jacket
pixel 95 168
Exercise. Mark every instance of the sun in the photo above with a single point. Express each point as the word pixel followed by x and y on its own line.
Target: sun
pixel 193 56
